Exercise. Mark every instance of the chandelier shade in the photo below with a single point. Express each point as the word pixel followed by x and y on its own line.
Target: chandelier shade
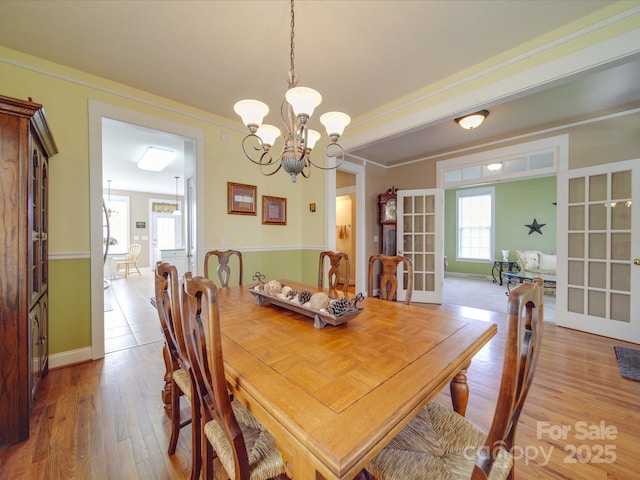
pixel 335 123
pixel 297 139
pixel 303 100
pixel 251 111
pixel 268 134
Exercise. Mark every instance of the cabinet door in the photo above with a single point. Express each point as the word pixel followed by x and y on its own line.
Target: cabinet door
pixel 43 222
pixel 34 350
pixel 44 336
pixel 38 222
pixel 38 343
pixel 34 223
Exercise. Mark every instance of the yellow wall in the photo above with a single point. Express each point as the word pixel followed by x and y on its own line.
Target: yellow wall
pixel 65 94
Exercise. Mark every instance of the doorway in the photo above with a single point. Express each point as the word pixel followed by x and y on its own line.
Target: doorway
pixel 191 140
pixel 335 187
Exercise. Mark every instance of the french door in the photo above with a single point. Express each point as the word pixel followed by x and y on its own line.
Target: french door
pixel 419 238
pixel 166 233
pixel 598 290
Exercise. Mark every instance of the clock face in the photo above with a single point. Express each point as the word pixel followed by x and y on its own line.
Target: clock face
pixel 390 210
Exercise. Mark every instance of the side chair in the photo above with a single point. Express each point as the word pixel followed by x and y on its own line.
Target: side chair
pixel 223 270
pixel 245 448
pixel 388 279
pixel 441 444
pixel 128 261
pixel 334 271
pixel 178 376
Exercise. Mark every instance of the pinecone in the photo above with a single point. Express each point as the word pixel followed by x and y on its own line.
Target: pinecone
pixel 304 297
pixel 292 294
pixel 338 306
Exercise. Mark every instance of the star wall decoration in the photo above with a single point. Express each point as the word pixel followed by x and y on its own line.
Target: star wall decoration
pixel 535 227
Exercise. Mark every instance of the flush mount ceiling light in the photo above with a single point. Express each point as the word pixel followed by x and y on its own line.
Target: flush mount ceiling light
pixel 472 121
pixel 494 166
pixel 156 159
pixel 298 139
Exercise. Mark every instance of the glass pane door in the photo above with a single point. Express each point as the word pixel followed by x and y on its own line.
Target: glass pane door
pixel 601 244
pixel 420 240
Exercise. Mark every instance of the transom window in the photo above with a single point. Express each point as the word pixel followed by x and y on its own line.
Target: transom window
pixel 475 224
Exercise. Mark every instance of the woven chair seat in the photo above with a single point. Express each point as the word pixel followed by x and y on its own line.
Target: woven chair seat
pixel 437 444
pixel 265 459
pixel 183 380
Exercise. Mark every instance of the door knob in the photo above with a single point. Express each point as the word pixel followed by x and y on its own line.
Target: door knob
pixel 636 261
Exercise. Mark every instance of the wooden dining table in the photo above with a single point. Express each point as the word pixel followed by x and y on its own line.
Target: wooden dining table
pixel 333 397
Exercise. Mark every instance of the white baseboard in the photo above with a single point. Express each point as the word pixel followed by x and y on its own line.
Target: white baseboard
pixel 69 357
pixel 469 275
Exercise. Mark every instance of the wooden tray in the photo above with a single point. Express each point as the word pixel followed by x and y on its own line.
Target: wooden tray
pixel 320 319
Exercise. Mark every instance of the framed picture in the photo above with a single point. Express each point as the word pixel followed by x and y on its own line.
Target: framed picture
pixel 274 210
pixel 241 199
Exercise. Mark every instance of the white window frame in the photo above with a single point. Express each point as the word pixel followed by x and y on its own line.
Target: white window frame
pixel 123 243
pixel 474 192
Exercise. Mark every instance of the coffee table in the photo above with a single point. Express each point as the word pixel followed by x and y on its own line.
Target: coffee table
pixel 549 281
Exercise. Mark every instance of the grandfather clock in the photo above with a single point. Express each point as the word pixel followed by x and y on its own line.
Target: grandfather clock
pixel 387 203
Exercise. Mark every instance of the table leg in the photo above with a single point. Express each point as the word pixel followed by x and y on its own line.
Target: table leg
pixel 493 273
pixel 460 390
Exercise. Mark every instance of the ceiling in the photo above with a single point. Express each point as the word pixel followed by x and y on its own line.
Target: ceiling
pixel 359 55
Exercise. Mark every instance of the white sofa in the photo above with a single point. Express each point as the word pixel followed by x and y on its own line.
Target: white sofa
pixel 535 261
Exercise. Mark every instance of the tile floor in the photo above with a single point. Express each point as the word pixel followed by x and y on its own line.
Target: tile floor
pixel 129 318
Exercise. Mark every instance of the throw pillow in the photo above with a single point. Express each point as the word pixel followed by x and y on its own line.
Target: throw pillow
pixel 529 259
pixel 548 262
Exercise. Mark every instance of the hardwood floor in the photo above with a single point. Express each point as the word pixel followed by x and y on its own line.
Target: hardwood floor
pixel 105 419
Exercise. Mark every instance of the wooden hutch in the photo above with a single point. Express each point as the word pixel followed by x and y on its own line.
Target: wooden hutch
pixel 26 144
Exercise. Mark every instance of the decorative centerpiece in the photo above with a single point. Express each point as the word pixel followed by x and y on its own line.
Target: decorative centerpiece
pixel 320 306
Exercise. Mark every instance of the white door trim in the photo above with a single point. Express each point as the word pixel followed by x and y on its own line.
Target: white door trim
pixel 97 111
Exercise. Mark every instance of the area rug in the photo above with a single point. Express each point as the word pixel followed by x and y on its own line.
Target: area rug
pixel 628 362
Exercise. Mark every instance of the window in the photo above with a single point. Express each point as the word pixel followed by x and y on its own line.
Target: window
pixel 118 207
pixel 474 210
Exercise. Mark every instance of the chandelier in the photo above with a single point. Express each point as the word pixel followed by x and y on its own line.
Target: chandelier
pixel 297 139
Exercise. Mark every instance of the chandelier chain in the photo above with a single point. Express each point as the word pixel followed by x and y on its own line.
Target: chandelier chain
pixel 298 140
pixel 292 42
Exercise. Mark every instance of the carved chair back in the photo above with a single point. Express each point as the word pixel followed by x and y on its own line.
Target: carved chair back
pixel 223 270
pixel 388 278
pixel 523 337
pixel 334 271
pixel 204 346
pixel 169 306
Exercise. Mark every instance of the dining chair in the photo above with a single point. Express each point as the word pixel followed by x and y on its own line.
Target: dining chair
pixel 334 271
pixel 388 279
pixel 223 270
pixel 129 260
pixel 178 376
pixel 441 444
pixel 244 447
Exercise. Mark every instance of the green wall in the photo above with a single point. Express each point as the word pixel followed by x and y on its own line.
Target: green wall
pixel 516 205
pixel 273 264
pixel 69 292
